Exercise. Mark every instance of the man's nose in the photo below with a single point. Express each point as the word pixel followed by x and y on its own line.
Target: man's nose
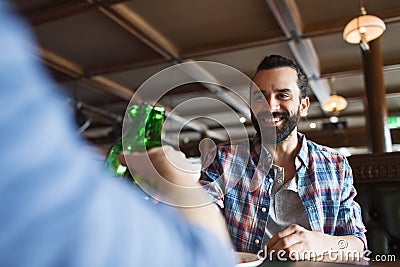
pixel 273 103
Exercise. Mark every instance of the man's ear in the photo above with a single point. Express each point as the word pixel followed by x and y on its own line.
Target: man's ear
pixel 304 105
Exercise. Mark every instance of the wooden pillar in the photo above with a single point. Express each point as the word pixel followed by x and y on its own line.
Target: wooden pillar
pixel 376 110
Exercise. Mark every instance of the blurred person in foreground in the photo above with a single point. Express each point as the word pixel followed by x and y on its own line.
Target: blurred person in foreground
pixel 59 207
pixel 279 189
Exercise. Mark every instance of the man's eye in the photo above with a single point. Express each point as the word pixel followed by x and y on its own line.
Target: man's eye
pixel 283 95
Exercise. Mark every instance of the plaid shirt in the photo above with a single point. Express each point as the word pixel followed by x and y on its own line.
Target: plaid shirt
pixel 242 189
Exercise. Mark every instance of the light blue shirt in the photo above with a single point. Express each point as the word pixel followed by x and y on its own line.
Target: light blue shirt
pixel 58 207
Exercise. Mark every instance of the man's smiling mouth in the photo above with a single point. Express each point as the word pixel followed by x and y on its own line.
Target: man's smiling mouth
pixel 274 120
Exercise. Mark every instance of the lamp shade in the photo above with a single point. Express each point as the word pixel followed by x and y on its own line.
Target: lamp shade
pixel 334 103
pixel 370 26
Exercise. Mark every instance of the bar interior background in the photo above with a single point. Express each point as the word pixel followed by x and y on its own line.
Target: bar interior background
pixel 102 51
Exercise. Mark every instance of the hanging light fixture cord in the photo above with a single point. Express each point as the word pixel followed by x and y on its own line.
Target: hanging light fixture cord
pixel 363 42
pixel 362 8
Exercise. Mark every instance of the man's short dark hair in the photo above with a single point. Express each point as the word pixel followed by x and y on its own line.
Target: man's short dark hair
pixel 277 61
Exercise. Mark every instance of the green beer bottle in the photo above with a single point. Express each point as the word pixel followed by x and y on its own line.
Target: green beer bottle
pixel 112 162
pixel 143 132
pixel 154 127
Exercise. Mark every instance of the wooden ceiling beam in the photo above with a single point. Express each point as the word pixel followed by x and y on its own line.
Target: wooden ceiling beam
pixel 181 90
pixel 357 70
pixel 141 29
pixel 311 30
pixel 54 10
pixel 272 39
pixel 389 16
pixel 103 70
pixel 100 82
pixel 136 25
pixel 341 72
pixel 76 71
pixel 288 17
pixel 213 50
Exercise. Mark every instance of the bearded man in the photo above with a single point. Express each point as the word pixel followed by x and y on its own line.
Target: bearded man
pixel 279 191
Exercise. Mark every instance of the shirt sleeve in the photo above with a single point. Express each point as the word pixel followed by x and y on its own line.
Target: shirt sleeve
pixel 349 217
pixel 212 177
pixel 58 206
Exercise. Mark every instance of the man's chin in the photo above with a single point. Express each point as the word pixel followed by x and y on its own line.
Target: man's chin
pixel 268 135
pixel 274 136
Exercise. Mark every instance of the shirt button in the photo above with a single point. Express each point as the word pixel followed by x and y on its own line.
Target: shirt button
pixel 280 181
pixel 257 241
pixel 264 209
pixel 270 180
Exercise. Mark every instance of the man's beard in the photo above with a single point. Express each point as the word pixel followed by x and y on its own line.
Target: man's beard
pixel 272 134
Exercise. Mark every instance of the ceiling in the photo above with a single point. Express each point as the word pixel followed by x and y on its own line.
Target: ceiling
pixel 102 51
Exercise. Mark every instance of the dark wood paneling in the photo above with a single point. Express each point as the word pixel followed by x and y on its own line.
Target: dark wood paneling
pixel 376 167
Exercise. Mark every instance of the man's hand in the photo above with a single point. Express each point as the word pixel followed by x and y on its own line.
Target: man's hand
pixel 295 241
pixel 166 175
pixel 298 243
pixel 161 164
pixel 176 183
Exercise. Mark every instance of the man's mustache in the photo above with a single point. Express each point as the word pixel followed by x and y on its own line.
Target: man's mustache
pixel 268 114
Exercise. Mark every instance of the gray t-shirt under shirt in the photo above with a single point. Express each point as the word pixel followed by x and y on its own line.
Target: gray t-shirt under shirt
pixel 285 206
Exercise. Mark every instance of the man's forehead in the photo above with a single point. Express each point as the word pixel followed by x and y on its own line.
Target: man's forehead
pixel 279 89
pixel 266 79
pixel 279 70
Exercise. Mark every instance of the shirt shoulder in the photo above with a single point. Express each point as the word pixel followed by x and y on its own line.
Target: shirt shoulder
pixel 325 152
pixel 327 164
pixel 327 158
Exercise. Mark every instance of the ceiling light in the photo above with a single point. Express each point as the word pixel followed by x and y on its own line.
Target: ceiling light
pixel 242 119
pixel 334 119
pixel 334 103
pixel 364 28
pixel 313 125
